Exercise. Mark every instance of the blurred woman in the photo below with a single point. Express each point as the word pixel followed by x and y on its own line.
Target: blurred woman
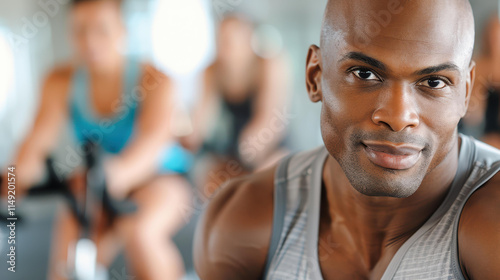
pixel 125 107
pixel 483 118
pixel 238 122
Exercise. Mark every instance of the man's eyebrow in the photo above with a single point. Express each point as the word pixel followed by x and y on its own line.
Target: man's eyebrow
pixel 365 59
pixel 435 69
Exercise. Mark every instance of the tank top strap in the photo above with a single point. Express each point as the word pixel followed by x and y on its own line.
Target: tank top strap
pixel 132 81
pixel 295 191
pixel 79 92
pixel 279 212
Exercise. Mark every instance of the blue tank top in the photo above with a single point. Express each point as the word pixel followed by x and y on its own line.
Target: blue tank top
pixel 112 133
pixel 115 132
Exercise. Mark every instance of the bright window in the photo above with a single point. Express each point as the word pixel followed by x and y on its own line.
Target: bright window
pixel 182 35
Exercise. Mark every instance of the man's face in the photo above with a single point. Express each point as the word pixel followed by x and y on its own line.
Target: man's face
pixel 393 91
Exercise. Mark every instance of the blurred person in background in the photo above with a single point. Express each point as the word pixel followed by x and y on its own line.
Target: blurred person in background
pixel 238 124
pixel 129 103
pixel 483 117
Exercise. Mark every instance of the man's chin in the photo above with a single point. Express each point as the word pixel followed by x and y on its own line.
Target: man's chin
pixel 384 189
pixel 391 185
pixel 393 192
pixel 376 181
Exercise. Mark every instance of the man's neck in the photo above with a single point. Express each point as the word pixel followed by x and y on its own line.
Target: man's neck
pixel 374 224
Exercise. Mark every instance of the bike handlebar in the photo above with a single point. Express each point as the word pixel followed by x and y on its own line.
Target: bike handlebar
pixel 96 181
pixel 96 188
pixel 97 191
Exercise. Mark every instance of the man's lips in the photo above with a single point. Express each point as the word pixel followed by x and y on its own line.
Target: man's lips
pixel 392 156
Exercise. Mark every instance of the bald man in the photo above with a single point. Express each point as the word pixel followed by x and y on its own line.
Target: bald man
pixel 396 192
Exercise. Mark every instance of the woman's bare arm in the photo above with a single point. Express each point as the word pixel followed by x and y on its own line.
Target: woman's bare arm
pixel 203 112
pixel 43 136
pixel 139 160
pixel 267 121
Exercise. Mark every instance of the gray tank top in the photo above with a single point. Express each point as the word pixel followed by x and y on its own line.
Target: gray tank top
pixel 430 253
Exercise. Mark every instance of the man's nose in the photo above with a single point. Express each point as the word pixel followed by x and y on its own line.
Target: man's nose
pixel 397 109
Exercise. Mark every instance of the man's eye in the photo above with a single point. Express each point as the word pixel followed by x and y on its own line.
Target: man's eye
pixel 434 83
pixel 365 75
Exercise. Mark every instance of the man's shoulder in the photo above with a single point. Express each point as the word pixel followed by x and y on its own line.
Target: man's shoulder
pixel 484 203
pixel 486 152
pixel 479 232
pixel 233 235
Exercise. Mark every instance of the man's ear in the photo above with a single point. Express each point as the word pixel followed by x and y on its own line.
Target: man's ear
pixel 471 78
pixel 313 74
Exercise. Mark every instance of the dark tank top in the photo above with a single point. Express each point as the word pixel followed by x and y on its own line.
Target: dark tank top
pixel 240 113
pixel 492 112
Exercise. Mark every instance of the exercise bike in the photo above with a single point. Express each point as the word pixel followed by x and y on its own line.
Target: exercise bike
pixel 95 200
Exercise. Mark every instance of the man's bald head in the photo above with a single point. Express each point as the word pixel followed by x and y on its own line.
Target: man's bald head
pixel 362 22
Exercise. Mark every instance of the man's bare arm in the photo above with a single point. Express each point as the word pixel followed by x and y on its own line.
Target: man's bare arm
pixel 479 233
pixel 232 238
